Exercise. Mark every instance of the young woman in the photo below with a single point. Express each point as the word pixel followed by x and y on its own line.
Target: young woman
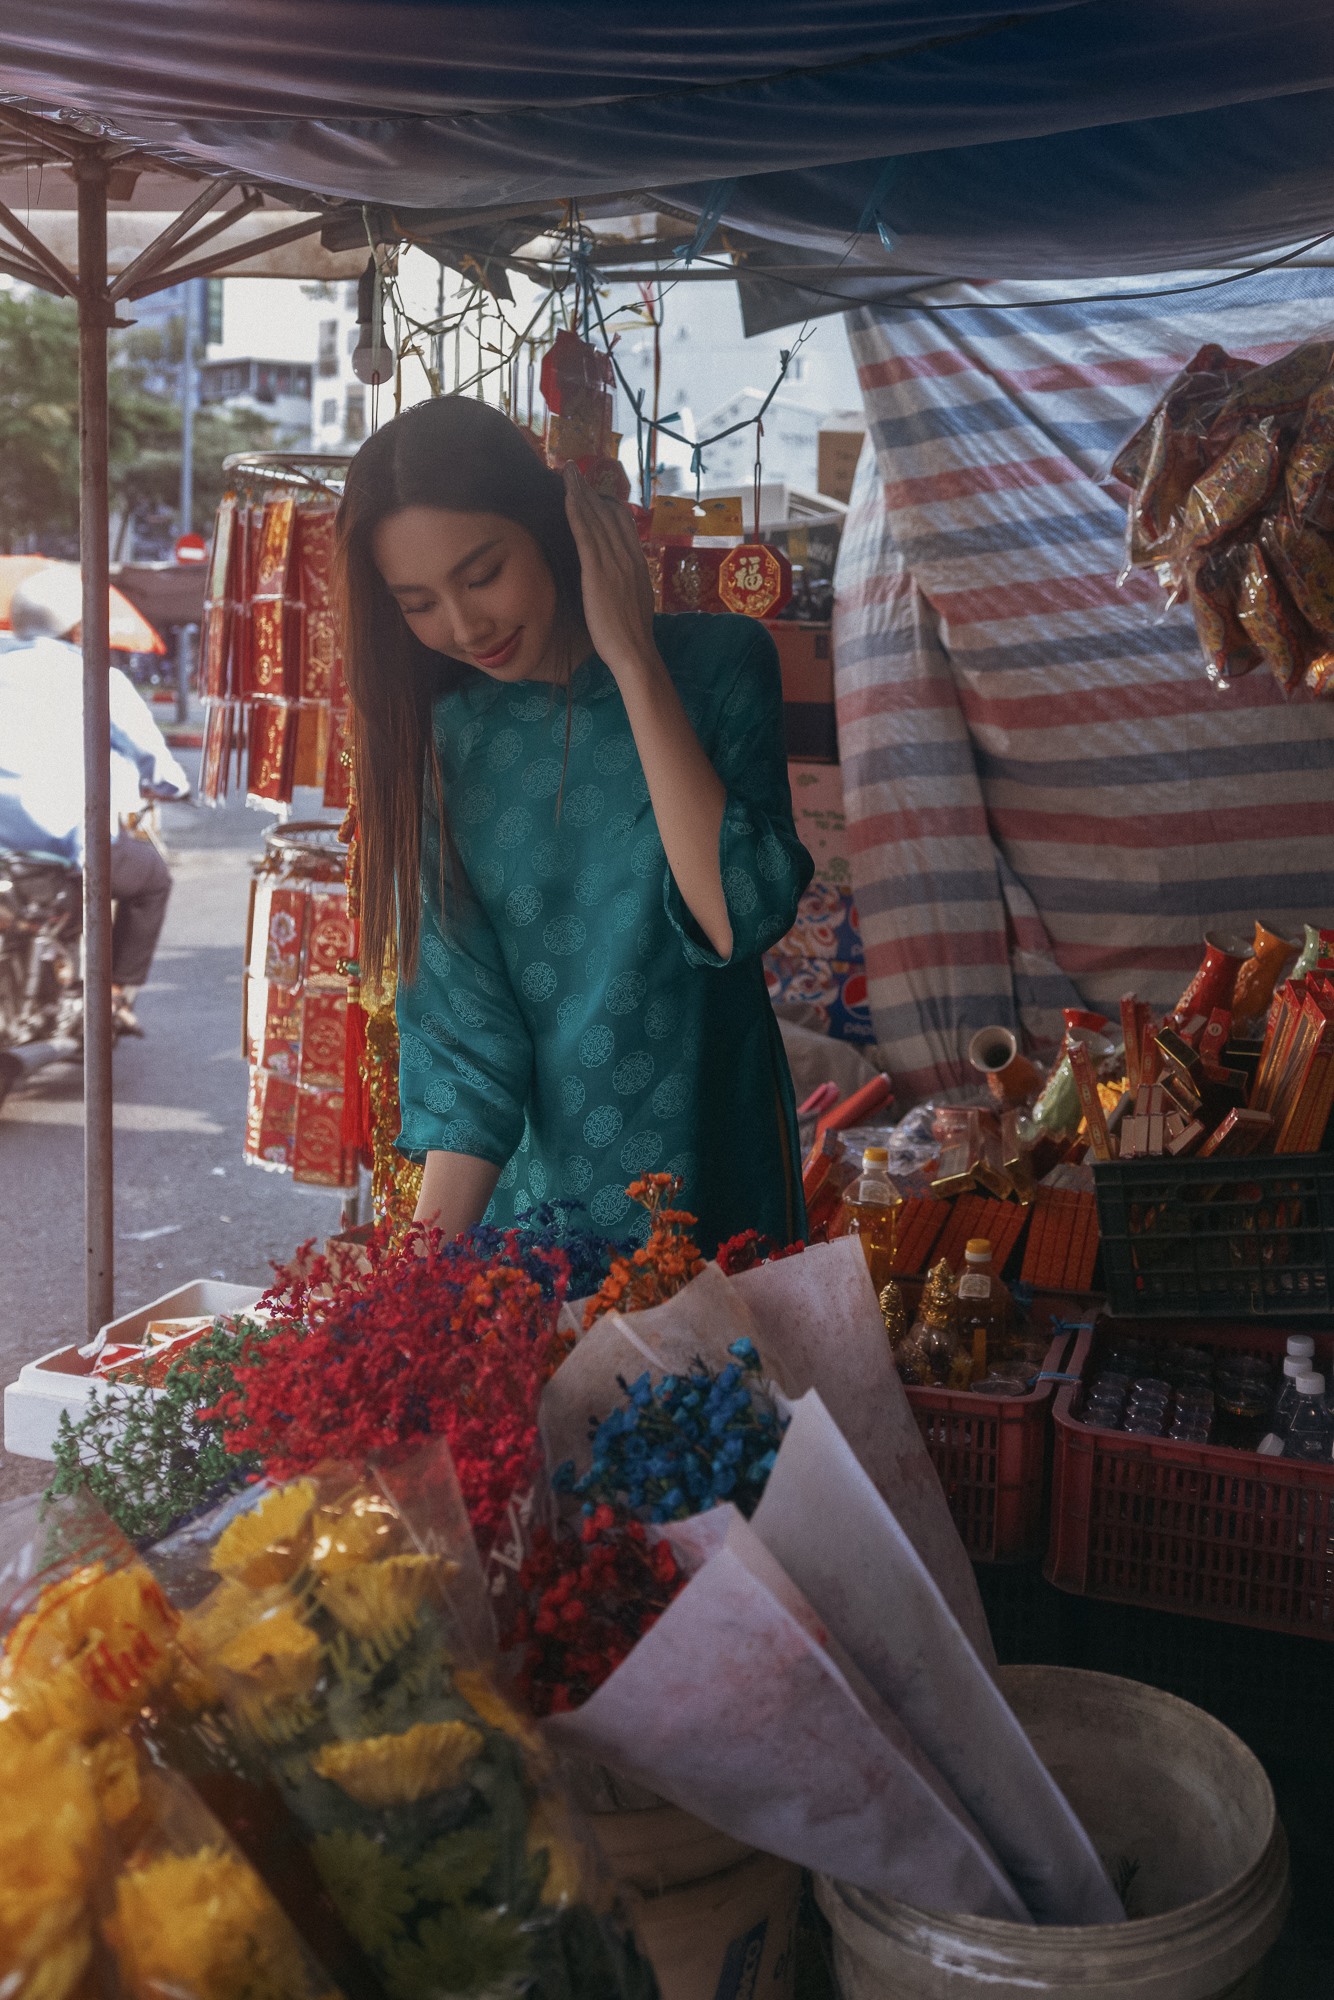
pixel 576 826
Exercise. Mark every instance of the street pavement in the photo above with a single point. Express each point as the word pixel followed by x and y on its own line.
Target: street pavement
pixel 186 1204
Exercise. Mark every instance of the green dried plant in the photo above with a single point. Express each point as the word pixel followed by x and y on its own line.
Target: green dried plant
pixel 152 1456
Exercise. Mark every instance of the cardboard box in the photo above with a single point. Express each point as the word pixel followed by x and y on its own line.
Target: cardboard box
pixel 837 452
pixel 806 657
pixel 63 1380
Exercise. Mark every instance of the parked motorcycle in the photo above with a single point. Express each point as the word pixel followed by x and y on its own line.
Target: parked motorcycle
pixel 41 987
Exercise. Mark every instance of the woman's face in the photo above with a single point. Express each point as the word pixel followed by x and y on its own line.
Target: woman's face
pixel 474 586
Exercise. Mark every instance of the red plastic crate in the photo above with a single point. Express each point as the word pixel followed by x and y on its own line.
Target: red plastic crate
pixel 1202 1529
pixel 991 1451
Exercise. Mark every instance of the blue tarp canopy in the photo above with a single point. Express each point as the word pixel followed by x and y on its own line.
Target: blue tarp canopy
pixel 1065 138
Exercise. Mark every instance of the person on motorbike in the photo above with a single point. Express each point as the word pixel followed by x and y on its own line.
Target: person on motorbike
pixel 41 770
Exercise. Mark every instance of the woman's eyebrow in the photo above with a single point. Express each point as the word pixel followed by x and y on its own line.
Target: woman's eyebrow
pixel 471 557
pixel 413 589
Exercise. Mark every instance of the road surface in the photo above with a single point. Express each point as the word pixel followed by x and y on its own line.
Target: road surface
pixel 186 1204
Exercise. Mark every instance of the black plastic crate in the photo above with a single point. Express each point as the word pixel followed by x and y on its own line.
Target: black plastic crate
pixel 1250 1238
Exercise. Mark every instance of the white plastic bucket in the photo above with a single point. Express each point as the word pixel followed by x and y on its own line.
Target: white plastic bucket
pixel 1183 1815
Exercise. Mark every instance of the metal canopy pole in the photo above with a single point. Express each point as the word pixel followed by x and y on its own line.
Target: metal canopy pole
pixel 95 316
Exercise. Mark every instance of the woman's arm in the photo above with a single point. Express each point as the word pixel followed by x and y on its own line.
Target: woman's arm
pixel 687 793
pixel 455 1190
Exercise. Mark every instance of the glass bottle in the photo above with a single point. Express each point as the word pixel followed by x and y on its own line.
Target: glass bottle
pixel 1311 1432
pixel 871 1211
pixel 985 1311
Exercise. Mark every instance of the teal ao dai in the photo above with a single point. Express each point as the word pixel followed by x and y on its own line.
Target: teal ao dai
pixel 569 1021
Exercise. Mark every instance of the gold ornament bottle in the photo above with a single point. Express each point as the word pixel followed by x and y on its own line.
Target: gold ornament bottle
pixel 934 1332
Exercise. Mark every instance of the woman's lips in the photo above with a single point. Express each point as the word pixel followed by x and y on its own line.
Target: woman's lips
pixel 502 655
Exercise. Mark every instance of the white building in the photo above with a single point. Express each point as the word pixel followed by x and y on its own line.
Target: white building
pixel 276 390
pixel 286 351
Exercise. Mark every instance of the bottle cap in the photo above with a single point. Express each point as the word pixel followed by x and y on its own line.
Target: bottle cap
pixel 978 1246
pixel 1295 1365
pixel 1300 1344
pixel 1310 1385
pixel 875 1156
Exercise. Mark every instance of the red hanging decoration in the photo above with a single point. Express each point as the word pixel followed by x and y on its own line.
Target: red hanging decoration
pixel 755 580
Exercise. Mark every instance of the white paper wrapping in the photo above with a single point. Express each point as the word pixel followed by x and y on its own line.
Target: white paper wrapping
pixel 832 1534
pixel 737 1707
pixel 819 1326
pixel 816 1324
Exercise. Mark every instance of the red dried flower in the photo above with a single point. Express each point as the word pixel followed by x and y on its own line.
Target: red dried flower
pixel 745 1251
pixel 586 1599
pixel 427 1341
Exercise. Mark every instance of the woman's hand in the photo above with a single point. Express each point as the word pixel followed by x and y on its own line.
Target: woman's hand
pixel 687 793
pixel 618 596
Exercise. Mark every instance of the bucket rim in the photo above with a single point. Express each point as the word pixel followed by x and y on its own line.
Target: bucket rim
pixel 1155 1952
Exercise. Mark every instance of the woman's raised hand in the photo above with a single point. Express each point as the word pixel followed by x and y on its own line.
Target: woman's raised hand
pixel 618 596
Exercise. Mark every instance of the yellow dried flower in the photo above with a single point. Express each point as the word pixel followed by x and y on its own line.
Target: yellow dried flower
pixel 382 1597
pixel 394 1770
pixel 550 1833
pixel 192 1687
pixel 113 1765
pixel 48 1845
pixel 270 1542
pixel 485 1699
pixel 365 1529
pixel 277 1654
pixel 229 1609
pixel 204 1925
pixel 94 1644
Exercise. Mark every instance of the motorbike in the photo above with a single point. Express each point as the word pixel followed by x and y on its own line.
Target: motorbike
pixel 41 985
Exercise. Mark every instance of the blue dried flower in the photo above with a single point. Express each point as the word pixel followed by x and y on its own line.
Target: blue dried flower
pixel 681 1445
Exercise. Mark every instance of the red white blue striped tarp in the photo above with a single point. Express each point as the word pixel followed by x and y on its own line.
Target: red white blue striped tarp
pixel 1048 803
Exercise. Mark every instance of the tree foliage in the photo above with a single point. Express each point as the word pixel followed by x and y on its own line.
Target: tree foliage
pixel 39 425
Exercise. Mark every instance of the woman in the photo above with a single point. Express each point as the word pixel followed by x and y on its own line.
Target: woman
pixel 576 824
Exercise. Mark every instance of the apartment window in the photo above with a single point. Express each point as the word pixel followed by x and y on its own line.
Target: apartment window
pixel 329 412
pixel 327 352
pixel 355 424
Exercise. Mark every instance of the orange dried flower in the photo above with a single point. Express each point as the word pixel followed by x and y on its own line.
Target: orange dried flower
pixel 661 1266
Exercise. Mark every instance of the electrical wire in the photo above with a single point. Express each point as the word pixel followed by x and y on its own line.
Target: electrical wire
pixel 914 302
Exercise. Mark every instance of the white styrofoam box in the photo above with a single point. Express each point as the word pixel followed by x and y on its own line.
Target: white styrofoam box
pixel 64 1379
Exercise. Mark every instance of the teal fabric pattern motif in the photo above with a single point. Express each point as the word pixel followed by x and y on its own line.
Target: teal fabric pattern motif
pixel 569 1020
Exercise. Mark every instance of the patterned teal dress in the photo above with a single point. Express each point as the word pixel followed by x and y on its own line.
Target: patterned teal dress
pixel 569 1019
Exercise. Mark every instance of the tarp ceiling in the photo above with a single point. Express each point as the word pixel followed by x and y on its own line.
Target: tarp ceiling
pixel 1072 137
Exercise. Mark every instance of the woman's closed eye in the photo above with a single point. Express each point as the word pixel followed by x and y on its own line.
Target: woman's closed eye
pixel 481 582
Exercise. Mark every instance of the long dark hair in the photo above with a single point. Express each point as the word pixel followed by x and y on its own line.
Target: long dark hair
pixel 454 453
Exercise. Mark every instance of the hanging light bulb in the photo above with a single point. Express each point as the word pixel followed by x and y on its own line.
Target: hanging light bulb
pixel 372 357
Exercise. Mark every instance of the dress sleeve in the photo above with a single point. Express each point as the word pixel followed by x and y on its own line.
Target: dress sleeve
pixel 465 1057
pixel 764 865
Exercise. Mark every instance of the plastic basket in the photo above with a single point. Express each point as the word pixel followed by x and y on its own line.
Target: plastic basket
pixel 1203 1529
pixel 992 1451
pixel 1250 1238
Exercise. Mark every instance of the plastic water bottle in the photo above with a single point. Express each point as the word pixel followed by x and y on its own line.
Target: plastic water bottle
pixel 1286 1401
pixel 1311 1431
